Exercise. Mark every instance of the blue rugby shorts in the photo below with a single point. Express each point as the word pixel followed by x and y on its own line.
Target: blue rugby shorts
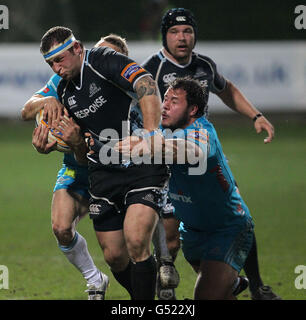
pixel 230 245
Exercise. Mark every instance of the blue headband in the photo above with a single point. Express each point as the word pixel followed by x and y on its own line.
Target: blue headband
pixel 59 48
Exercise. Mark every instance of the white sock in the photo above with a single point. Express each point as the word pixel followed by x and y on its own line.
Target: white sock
pixel 160 242
pixel 77 253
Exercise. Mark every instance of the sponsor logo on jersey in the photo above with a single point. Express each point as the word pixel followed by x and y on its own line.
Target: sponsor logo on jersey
pixel 46 90
pixel 169 77
pixel 72 102
pixel 240 209
pixel 200 74
pixel 131 71
pixel 204 83
pixel 93 108
pixel 149 197
pixel 95 208
pixel 93 89
pixel 180 197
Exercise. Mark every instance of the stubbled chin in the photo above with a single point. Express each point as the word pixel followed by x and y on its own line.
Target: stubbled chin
pixel 182 58
pixel 164 124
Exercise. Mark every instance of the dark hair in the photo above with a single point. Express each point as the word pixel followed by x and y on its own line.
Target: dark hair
pixel 56 34
pixel 196 94
pixel 117 41
pixel 177 16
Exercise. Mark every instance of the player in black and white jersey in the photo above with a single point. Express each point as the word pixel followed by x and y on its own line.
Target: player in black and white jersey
pixel 126 198
pixel 177 59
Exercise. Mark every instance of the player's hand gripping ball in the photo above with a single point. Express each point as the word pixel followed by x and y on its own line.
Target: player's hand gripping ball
pixel 60 144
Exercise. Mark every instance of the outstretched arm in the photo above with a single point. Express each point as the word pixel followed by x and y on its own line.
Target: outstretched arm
pixel 235 99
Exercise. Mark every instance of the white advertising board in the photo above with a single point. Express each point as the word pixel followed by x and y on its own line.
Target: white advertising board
pixel 271 74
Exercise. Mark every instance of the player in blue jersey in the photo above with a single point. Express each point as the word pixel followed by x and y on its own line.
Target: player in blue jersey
pixel 70 194
pixel 176 59
pixel 216 227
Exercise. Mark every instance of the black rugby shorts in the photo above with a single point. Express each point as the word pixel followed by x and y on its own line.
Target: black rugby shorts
pixel 114 188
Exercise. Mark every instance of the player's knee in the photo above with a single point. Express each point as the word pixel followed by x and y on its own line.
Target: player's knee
pixel 63 234
pixel 116 259
pixel 138 249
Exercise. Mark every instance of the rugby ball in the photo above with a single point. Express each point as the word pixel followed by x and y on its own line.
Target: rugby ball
pixel 60 144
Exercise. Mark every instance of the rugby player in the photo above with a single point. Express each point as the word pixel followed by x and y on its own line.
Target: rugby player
pixel 177 59
pixel 70 194
pixel 216 228
pixel 126 197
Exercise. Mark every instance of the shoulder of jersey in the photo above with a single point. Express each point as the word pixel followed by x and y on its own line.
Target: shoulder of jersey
pixel 151 61
pixel 202 57
pixel 55 79
pixel 202 122
pixel 100 52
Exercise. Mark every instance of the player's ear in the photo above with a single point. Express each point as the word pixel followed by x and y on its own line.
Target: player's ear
pixel 193 110
pixel 77 48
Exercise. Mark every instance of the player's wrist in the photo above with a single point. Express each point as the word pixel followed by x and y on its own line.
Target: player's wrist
pixel 258 115
pixel 152 133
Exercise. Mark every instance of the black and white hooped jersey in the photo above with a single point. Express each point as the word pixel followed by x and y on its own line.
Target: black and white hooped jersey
pixel 102 96
pixel 200 67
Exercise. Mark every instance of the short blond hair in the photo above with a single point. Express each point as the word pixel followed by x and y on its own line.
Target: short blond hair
pixel 116 41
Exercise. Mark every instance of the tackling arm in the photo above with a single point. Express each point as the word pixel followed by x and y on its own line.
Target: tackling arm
pixel 53 109
pixel 170 151
pixel 32 106
pixel 180 150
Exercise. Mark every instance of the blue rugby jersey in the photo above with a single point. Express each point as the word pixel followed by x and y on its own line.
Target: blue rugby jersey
pixel 211 200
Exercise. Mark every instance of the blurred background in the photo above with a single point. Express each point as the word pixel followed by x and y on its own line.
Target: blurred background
pixel 254 43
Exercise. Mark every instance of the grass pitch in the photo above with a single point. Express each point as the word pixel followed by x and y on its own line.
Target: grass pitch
pixel 271 179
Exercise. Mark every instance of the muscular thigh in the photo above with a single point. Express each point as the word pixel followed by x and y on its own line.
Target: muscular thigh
pixel 111 240
pixel 139 223
pixel 66 207
pixel 114 249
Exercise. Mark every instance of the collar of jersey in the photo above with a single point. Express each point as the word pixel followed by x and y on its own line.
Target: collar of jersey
pixel 176 64
pixel 81 73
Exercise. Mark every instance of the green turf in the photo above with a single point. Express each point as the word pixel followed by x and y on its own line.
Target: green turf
pixel 271 179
